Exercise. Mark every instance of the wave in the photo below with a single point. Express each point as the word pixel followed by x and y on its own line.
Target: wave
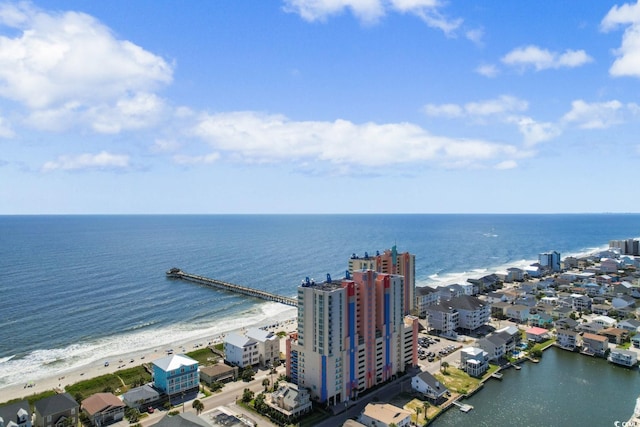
pixel 144 338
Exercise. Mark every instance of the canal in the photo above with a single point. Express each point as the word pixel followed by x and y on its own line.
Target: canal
pixel 564 389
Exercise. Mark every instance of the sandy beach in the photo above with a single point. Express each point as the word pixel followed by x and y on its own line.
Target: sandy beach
pixel 60 380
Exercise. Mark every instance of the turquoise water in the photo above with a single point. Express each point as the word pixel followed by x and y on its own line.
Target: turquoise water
pixel 76 289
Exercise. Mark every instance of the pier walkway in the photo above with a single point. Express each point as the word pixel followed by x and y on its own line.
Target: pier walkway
pixel 176 273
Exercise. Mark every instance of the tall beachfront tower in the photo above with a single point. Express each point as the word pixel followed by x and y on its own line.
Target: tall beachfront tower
pixel 391 262
pixel 352 335
pixel 550 261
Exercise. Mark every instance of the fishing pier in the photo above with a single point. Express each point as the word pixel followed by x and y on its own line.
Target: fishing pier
pixel 176 273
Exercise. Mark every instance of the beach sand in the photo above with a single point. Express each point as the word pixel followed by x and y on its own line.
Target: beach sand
pixel 60 380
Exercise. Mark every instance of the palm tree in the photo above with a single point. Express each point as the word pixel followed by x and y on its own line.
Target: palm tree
pixel 425 406
pixel 418 411
pixel 198 406
pixel 265 383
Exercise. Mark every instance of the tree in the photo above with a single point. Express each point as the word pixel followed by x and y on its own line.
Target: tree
pixel 247 374
pixel 444 365
pixel 247 395
pixel 266 383
pixel 198 406
pixel 425 406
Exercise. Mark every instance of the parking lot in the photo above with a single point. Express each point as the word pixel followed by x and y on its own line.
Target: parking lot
pixel 431 349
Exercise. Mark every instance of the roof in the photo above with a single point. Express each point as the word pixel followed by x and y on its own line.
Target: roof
pixel 613 331
pixel 385 412
pixel 537 331
pixel 55 404
pixel 594 337
pixel 466 302
pixel 431 381
pixel 142 393
pixel 10 412
pixel 175 361
pixel 425 290
pixel 261 334
pixel 214 370
pixel 186 419
pixel 99 402
pixel 237 340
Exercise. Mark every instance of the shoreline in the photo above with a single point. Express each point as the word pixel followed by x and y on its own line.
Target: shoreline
pixel 65 377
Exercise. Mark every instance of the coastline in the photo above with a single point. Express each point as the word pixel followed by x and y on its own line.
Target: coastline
pixel 63 378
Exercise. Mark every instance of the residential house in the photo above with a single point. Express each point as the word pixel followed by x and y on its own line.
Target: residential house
pixel 142 397
pixel 103 409
pixel 515 274
pixel 601 309
pixel 425 297
pixel 429 386
pixel 290 400
pixel 268 346
pixel 176 374
pixel 240 350
pixel 218 373
pixel 494 345
pixel 486 283
pixel 609 265
pixel 517 312
pixel 623 357
pixel 450 291
pixel 580 302
pixel 631 325
pixel 605 321
pixel 499 309
pixel 567 323
pixel 536 334
pixel 385 414
pixel 540 320
pixel 474 361
pixel 511 336
pixel 635 340
pixel 17 414
pixel 615 335
pixel 560 312
pixel 185 419
pixel 604 279
pixel 567 339
pixel 549 300
pixel 594 344
pixel 534 270
pixel 591 327
pixel 59 410
pixel 494 297
pixel 623 302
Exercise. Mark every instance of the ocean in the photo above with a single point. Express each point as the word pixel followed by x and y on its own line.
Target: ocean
pixel 78 289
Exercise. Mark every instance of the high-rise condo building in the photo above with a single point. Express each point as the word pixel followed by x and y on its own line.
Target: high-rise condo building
pixel 391 262
pixel 352 335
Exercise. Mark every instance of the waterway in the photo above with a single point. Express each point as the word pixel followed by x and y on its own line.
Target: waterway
pixel 564 389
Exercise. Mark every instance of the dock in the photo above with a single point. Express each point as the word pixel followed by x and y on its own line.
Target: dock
pixel 176 273
pixel 463 406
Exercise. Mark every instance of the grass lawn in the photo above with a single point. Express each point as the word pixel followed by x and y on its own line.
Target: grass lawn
pixel 458 381
pixel 432 411
pixel 204 356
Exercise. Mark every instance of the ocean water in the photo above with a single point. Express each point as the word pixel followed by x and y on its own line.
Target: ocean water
pixel 78 289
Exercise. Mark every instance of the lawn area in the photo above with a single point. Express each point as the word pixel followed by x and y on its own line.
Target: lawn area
pixel 458 381
pixel 432 411
pixel 204 356
pixel 542 345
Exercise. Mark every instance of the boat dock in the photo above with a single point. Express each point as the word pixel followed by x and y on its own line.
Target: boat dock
pixel 176 273
pixel 463 406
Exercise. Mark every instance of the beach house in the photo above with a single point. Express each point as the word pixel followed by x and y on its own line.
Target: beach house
pixel 474 361
pixel 59 410
pixel 623 357
pixel 15 414
pixel 102 409
pixel 594 344
pixel 290 400
pixel 428 386
pixel 567 339
pixel 176 375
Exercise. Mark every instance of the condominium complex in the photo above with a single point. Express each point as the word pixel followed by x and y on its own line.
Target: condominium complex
pixel 352 335
pixel 391 262
pixel 550 261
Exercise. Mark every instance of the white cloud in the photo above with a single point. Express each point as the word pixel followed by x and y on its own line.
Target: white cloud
pixel 507 164
pixel 100 161
pixel 488 70
pixel 490 107
pixel 598 115
pixel 69 65
pixel 371 11
pixel 628 55
pixel 261 138
pixel 542 59
pixel 475 36
pixel 535 132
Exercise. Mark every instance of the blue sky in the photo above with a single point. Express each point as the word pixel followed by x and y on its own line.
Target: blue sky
pixel 319 106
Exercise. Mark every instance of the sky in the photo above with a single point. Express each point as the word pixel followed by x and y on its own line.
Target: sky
pixel 319 106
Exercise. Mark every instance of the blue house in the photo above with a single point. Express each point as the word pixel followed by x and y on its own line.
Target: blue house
pixel 176 374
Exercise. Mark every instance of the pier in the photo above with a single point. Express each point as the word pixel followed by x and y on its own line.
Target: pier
pixel 176 273
pixel 463 406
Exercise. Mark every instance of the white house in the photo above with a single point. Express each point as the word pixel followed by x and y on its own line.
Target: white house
pixel 474 361
pixel 623 357
pixel 567 339
pixel 241 351
pixel 605 321
pixel 429 386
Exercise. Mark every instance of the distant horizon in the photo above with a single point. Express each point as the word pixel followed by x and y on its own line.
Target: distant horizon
pixel 312 106
pixel 321 213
